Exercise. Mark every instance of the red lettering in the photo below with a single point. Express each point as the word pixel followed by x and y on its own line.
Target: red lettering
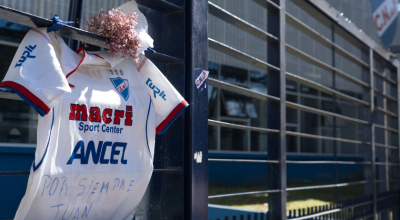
pixel 394 8
pixel 78 112
pixel 379 27
pixel 385 14
pixel 128 116
pixel 107 112
pixel 94 114
pixel 117 115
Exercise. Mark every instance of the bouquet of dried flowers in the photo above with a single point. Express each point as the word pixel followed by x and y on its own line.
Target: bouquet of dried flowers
pixel 118 28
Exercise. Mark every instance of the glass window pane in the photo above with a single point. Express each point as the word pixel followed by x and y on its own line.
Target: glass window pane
pixel 213 70
pixel 378 83
pixel 250 111
pixel 212 138
pixel 351 44
pixel 393 138
pixel 351 109
pixel 249 11
pixel 351 68
pixel 18 121
pixel 350 88
pixel 327 147
pixel 316 124
pixel 12 32
pixel 379 136
pixel 392 106
pixel 258 79
pixel 378 118
pixel 378 65
pixel 378 101
pixel 232 36
pixel 349 130
pixel 308 45
pixel 292 142
pixel 212 102
pixel 358 12
pixel 347 148
pixel 234 74
pixel 309 145
pixel 316 21
pixel 393 74
pixel 234 139
pixel 391 90
pixel 305 69
pixel 291 116
pixel 259 141
pixel 393 122
pixel 41 8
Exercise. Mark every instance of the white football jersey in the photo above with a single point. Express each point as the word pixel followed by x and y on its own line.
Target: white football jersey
pixel 95 141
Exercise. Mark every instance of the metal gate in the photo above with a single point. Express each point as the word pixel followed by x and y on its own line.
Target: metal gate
pixel 178 188
pixel 379 104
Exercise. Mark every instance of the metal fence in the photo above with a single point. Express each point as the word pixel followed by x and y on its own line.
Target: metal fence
pixel 179 184
pixel 181 46
pixel 376 99
pixel 354 208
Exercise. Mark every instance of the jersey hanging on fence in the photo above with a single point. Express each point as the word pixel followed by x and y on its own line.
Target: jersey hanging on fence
pixel 95 141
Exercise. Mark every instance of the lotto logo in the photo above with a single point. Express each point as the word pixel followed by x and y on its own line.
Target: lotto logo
pixel 155 89
pixel 26 54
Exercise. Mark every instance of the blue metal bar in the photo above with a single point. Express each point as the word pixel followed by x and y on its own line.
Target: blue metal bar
pixel 75 14
pixel 276 56
pixel 244 193
pixel 70 32
pixel 196 116
pixel 161 6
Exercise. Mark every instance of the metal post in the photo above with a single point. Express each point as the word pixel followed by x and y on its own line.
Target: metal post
pixel 396 170
pixel 372 109
pixel 334 118
pixel 383 154
pixel 75 14
pixel 277 113
pixel 196 116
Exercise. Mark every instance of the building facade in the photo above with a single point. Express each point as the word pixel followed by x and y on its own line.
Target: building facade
pixel 310 56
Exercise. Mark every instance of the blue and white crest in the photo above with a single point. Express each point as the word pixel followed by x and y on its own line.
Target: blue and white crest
pixel 122 87
pixel 384 13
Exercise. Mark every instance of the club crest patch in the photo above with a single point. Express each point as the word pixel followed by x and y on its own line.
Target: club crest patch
pixel 122 87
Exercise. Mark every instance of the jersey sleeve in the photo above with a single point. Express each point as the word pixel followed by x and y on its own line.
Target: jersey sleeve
pixel 168 103
pixel 35 73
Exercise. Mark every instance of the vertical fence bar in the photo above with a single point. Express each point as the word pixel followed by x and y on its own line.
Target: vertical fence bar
pixel 396 170
pixel 372 109
pixel 75 13
pixel 384 186
pixel 334 118
pixel 369 130
pixel 196 116
pixel 277 113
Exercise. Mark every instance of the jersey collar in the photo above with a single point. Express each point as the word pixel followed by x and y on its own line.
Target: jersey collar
pixel 98 58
